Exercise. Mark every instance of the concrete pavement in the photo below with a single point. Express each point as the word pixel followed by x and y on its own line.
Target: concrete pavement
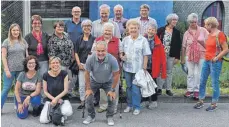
pixel 165 115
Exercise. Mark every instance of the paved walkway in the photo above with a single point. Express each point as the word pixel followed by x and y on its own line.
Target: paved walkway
pixel 166 115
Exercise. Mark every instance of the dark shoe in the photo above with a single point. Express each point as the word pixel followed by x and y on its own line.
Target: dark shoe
pixel 80 107
pixel 169 93
pixel 199 105
pixel 96 104
pixel 187 94
pixel 211 108
pixel 159 92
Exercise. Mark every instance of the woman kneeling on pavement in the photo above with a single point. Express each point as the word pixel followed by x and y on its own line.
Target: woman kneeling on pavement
pixel 55 85
pixel 28 88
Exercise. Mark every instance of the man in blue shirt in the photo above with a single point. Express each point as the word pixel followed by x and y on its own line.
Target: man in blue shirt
pixel 73 26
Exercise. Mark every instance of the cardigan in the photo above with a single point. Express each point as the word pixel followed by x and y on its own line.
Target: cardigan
pixel 176 43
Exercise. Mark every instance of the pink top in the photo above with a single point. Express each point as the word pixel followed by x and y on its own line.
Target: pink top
pixel 189 39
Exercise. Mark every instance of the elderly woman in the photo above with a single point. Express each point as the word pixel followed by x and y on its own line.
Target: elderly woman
pixel 61 46
pixel 216 47
pixel 82 49
pixel 154 62
pixel 194 52
pixel 134 52
pixel 170 37
pixel 14 50
pixel 55 85
pixel 113 49
pixel 37 41
pixel 28 88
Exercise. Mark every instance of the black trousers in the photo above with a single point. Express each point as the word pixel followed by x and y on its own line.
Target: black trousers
pixel 154 96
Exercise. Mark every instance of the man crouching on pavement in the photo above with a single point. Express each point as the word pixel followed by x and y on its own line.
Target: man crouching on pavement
pixel 102 72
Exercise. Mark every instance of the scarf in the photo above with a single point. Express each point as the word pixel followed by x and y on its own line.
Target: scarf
pixel 194 53
pixel 39 40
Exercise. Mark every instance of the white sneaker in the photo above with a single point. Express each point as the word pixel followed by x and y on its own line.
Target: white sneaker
pixel 152 105
pixel 88 120
pixel 110 121
pixel 128 109
pixel 136 112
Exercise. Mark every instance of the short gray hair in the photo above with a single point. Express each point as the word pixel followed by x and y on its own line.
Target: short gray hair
pixel 101 43
pixel 108 24
pixel 153 25
pixel 118 6
pixel 145 6
pixel 191 17
pixel 104 6
pixel 86 22
pixel 133 22
pixel 170 17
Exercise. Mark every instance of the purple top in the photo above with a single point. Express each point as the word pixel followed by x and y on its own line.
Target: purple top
pixel 120 23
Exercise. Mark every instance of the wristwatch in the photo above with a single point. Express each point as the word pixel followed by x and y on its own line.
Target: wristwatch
pixel 113 89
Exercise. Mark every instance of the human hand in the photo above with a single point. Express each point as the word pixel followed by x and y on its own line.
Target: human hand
pixel 8 74
pixel 27 101
pixel 88 92
pixel 123 57
pixel 81 67
pixel 112 95
pixel 60 101
pixel 54 101
pixel 20 108
pixel 215 59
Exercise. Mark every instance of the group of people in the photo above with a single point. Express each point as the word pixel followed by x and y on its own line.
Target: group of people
pixel 102 50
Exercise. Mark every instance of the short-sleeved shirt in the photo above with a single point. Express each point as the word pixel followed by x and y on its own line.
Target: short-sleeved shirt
pixel 101 72
pixel 62 48
pixel 97 27
pixel 120 24
pixel 211 48
pixel 145 23
pixel 55 85
pixel 83 48
pixel 74 30
pixel 135 50
pixel 28 85
pixel 15 54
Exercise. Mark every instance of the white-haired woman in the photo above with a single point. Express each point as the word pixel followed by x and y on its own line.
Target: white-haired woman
pixel 113 49
pixel 194 52
pixel 170 37
pixel 216 47
pixel 134 52
pixel 14 51
pixel 82 49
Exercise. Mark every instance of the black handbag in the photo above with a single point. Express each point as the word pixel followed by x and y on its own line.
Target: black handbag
pixel 55 115
pixel 74 67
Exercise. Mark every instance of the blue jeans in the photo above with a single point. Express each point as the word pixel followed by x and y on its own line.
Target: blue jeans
pixel 133 91
pixel 35 101
pixel 214 69
pixel 7 84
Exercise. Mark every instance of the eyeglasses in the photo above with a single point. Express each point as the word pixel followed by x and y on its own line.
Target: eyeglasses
pixel 62 27
pixel 86 25
pixel 36 23
pixel 76 11
pixel 31 63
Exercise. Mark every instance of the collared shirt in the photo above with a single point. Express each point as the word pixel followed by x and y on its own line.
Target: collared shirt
pixel 113 46
pixel 74 30
pixel 62 48
pixel 135 50
pixel 144 24
pixel 97 27
pixel 120 23
pixel 101 72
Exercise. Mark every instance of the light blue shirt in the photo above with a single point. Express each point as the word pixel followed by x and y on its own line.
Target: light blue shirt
pixel 135 50
pixel 97 28
pixel 144 24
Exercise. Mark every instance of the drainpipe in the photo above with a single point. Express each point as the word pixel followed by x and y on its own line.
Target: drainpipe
pixel 26 17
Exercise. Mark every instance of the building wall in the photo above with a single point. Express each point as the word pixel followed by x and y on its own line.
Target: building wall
pixel 184 8
pixel 158 9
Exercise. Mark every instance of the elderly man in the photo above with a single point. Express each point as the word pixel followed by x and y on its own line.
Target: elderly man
pixel 102 72
pixel 73 26
pixel 144 19
pixel 118 12
pixel 98 24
